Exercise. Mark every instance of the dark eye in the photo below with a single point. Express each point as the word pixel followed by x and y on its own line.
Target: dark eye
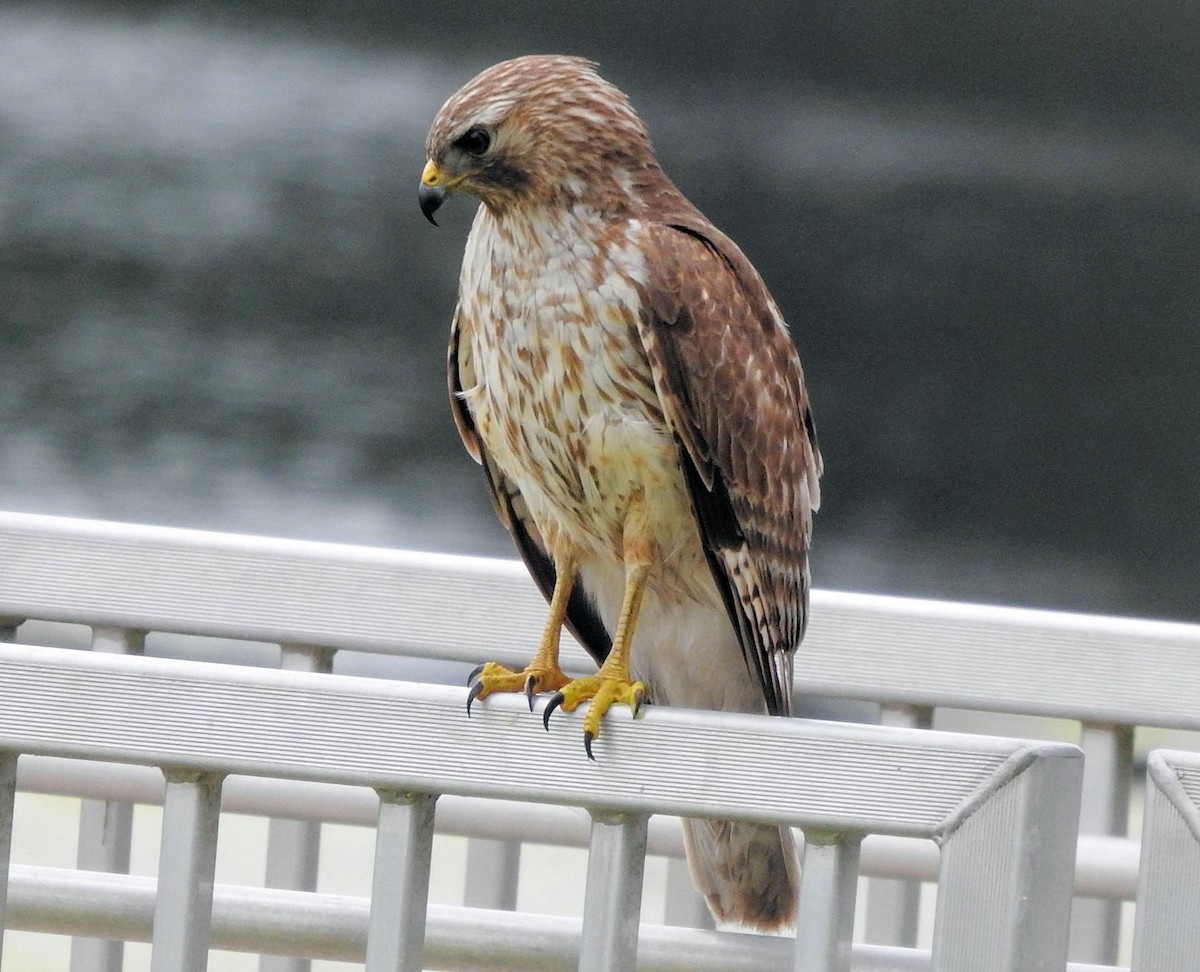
pixel 475 141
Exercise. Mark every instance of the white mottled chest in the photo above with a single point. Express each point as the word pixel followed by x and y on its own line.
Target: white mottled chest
pixel 564 400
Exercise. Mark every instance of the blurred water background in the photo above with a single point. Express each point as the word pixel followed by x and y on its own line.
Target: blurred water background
pixel 221 308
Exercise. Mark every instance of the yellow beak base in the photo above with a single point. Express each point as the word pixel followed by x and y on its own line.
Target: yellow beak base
pixel 432 191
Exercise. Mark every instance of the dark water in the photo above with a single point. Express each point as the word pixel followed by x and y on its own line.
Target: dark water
pixel 221 307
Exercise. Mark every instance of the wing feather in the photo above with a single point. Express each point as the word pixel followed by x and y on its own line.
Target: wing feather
pixel 732 388
pixel 582 619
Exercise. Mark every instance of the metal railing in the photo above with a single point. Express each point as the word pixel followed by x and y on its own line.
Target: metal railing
pixel 912 657
pixel 1111 675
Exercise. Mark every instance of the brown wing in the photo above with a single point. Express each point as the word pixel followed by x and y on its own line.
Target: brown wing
pixel 733 391
pixel 582 620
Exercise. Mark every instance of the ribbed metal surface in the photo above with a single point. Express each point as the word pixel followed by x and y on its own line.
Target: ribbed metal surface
pixel 1166 935
pixel 218 718
pixel 1187 771
pixel 267 589
pixel 1004 902
pixel 973 890
pixel 887 649
pixel 1097 669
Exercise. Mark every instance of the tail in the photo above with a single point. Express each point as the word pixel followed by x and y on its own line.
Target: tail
pixel 691 658
pixel 747 872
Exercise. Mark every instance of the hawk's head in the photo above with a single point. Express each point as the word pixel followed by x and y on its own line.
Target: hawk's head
pixel 537 131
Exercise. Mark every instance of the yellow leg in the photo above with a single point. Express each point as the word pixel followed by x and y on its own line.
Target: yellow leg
pixel 542 674
pixel 612 683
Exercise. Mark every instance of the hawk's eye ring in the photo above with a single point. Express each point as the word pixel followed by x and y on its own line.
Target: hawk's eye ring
pixel 475 141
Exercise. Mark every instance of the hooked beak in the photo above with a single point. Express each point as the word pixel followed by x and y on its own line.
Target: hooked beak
pixel 433 190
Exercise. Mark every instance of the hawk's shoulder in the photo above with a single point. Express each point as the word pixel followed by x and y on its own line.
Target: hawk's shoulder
pixel 733 392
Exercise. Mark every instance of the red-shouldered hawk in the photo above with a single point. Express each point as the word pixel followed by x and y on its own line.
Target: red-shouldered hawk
pixel 622 374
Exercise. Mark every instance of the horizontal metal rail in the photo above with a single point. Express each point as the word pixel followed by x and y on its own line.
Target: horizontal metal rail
pixel 1106 867
pixel 1006 805
pixel 334 927
pixel 887 649
pixel 403 736
pixel 1096 669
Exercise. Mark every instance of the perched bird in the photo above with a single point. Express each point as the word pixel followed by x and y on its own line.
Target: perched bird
pixel 620 371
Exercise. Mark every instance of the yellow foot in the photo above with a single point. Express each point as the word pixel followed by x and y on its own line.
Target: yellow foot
pixel 491 677
pixel 603 691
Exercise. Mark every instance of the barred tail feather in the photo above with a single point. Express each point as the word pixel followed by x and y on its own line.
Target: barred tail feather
pixel 747 872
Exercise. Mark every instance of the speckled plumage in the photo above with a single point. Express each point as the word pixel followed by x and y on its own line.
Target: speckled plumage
pixel 612 349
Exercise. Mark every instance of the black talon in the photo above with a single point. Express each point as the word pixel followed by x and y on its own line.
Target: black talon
pixel 530 682
pixel 473 695
pixel 555 701
pixel 639 699
pixel 475 672
pixel 587 744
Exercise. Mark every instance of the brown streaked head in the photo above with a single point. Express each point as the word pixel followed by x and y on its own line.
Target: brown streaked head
pixel 536 131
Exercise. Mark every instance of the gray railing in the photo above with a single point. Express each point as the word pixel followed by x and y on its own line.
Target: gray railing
pixel 174 731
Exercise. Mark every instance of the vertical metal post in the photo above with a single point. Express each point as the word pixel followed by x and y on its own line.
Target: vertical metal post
pixel 400 887
pixel 187 860
pixel 1107 779
pixel 685 906
pixel 825 915
pixel 493 870
pixel 1166 934
pixel 294 846
pixel 612 901
pixel 893 911
pixel 1007 872
pixel 105 829
pixel 8 793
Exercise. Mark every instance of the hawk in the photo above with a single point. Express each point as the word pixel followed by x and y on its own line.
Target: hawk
pixel 620 371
